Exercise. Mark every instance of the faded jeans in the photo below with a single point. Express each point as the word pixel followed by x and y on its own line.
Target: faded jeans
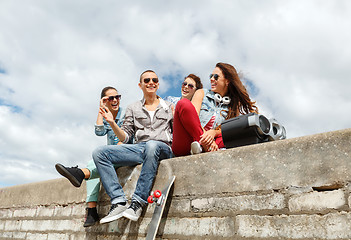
pixel 148 153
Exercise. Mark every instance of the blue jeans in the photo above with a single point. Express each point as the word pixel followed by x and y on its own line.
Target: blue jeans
pixel 148 153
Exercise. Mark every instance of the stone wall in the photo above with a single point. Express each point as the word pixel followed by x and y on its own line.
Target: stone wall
pixel 289 189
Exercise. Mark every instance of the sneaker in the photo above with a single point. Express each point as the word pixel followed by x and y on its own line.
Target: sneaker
pixel 195 148
pixel 73 174
pixel 115 212
pixel 92 217
pixel 134 211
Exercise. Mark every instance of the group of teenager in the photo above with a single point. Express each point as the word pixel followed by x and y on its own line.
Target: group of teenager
pixel 154 129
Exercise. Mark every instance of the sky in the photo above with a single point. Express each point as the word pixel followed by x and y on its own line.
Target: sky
pixel 294 57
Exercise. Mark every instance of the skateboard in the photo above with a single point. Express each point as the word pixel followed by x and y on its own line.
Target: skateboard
pixel 159 198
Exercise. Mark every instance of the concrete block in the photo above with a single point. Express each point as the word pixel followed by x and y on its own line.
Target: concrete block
pixel 123 225
pixel 64 193
pixel 24 212
pixel 205 227
pixel 239 203
pixel 316 201
pixel 13 225
pixel 2 224
pixel 19 235
pixel 82 236
pixel 36 236
pixel 329 226
pixel 176 207
pixel 6 213
pixel 78 210
pixel 45 211
pixel 58 236
pixel 48 225
pixel 63 211
pixel 6 235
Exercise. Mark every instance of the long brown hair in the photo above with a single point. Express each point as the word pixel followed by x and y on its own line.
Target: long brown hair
pixel 240 100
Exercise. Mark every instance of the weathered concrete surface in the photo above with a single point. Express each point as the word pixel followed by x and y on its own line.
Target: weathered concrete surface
pixel 290 189
pixel 311 161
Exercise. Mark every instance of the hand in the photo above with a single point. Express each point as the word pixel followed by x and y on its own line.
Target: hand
pixel 105 112
pixel 213 147
pixel 207 137
pixel 103 101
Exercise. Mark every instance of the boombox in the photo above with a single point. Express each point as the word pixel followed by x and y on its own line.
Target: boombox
pixel 250 129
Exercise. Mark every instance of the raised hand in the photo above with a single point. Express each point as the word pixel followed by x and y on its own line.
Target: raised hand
pixel 106 113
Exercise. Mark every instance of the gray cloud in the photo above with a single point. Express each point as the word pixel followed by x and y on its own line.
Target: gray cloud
pixel 56 56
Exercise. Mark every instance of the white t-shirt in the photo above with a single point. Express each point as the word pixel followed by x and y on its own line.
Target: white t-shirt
pixel 152 114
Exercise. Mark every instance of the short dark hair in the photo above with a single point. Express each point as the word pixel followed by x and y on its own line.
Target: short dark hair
pixel 146 72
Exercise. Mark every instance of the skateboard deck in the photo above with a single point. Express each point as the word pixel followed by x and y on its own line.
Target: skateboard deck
pixel 160 202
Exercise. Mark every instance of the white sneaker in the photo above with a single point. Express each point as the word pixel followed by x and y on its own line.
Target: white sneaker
pixel 115 213
pixel 195 148
pixel 134 211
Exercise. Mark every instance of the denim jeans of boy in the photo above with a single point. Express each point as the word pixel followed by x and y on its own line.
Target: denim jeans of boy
pixel 148 153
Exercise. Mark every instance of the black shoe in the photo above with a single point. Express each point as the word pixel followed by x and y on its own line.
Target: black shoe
pixel 92 217
pixel 73 174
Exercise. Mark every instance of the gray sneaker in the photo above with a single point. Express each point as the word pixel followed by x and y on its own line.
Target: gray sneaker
pixel 195 148
pixel 115 213
pixel 134 211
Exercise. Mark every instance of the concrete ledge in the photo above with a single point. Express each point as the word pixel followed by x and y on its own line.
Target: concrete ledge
pixel 289 189
pixel 311 161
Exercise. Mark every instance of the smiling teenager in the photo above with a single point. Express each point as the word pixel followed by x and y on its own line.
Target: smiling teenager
pixel 111 100
pixel 189 86
pixel 197 123
pixel 149 121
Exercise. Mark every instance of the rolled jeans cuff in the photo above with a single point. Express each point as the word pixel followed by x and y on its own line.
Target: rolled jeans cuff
pixel 119 200
pixel 140 200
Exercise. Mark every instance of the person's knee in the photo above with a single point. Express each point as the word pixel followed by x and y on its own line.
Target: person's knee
pixel 98 153
pixel 152 147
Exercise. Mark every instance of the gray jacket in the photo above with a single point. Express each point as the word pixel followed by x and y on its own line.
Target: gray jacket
pixel 137 123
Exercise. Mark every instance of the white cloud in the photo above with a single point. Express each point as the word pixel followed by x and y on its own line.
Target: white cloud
pixel 56 56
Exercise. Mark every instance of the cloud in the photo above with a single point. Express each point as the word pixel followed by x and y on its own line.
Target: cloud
pixel 55 57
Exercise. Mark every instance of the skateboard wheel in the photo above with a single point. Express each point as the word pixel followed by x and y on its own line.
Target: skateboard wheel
pixel 157 194
pixel 150 199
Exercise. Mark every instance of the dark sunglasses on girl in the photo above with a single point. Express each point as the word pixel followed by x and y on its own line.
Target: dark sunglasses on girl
pixel 215 76
pixel 188 84
pixel 147 80
pixel 118 97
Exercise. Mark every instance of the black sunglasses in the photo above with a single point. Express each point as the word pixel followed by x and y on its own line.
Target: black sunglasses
pixel 147 80
pixel 118 97
pixel 188 84
pixel 215 76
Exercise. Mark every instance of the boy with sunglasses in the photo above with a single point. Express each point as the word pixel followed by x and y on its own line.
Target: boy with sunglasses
pixel 150 121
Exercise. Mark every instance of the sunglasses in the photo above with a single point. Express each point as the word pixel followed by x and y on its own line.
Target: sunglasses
pixel 191 86
pixel 215 76
pixel 147 80
pixel 118 97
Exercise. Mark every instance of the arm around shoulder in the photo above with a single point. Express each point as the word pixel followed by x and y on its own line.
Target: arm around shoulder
pixel 197 100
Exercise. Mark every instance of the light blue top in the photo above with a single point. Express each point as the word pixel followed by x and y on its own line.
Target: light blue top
pixel 209 108
pixel 101 130
pixel 173 100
